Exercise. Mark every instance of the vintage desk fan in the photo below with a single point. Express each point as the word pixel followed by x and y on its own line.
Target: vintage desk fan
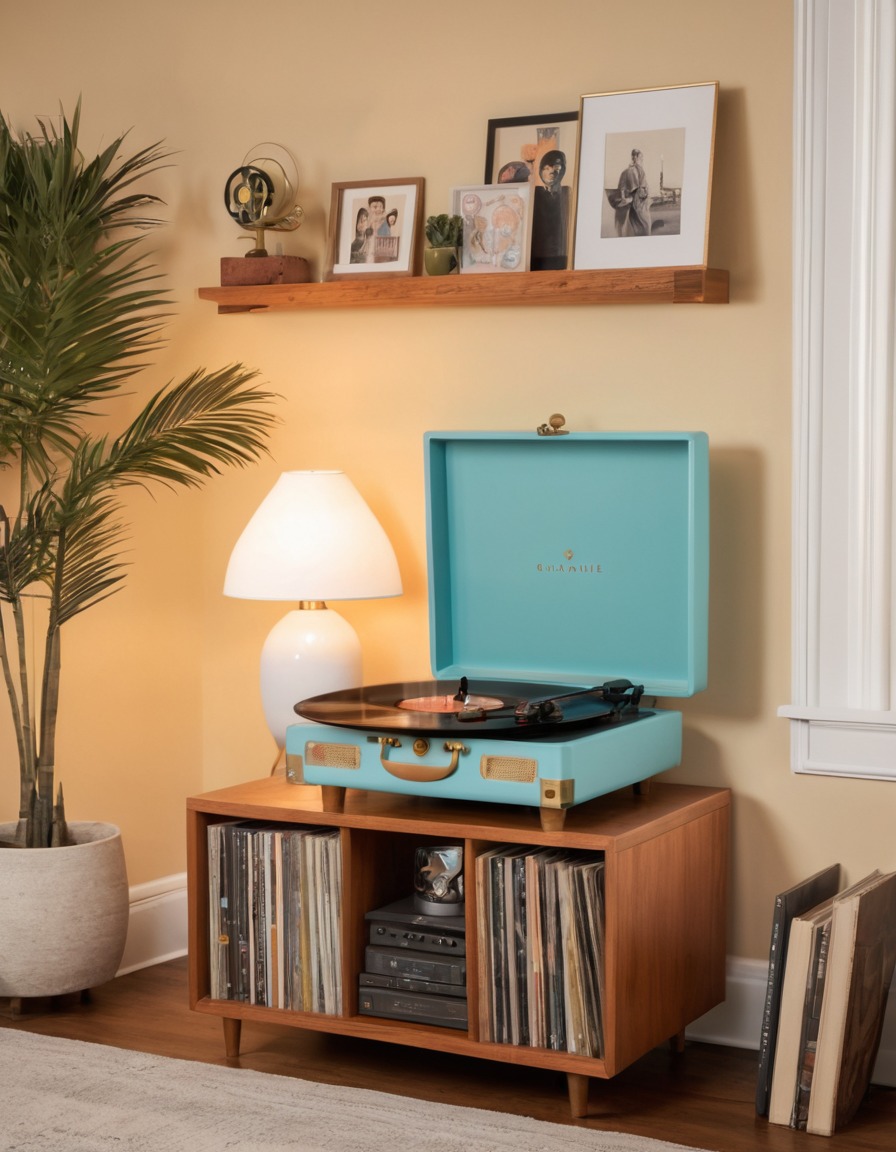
pixel 260 195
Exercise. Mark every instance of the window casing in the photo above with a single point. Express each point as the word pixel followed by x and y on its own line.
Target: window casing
pixel 843 714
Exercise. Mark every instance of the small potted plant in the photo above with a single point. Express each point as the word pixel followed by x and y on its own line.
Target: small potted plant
pixel 445 235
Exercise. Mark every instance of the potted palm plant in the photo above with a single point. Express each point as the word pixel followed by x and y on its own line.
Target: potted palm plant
pixel 81 309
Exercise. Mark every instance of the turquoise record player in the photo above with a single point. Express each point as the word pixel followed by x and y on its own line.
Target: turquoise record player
pixel 568 583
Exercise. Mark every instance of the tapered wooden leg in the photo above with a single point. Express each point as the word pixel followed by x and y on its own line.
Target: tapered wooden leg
pixel 642 788
pixel 552 819
pixel 232 1029
pixel 333 797
pixel 577 1086
pixel 676 1042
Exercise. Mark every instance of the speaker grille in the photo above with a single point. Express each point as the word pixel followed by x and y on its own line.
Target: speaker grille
pixel 332 755
pixel 515 768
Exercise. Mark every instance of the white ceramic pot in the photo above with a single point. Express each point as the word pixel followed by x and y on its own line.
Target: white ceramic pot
pixel 63 912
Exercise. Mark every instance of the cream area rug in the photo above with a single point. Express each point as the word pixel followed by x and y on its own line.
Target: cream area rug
pixel 66 1096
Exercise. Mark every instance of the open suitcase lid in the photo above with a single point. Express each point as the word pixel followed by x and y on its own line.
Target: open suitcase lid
pixel 571 559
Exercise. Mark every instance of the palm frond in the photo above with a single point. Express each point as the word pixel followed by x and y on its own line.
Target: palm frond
pixel 28 547
pixel 90 568
pixel 191 430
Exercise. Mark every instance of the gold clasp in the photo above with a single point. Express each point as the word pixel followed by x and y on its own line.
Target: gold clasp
pixel 554 426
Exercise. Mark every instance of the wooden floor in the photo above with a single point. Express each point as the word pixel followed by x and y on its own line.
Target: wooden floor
pixel 702 1097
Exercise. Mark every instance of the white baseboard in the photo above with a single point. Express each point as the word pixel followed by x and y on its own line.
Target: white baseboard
pixel 736 1023
pixel 157 927
pixel 158 932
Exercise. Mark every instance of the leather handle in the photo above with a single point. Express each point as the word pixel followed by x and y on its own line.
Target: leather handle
pixel 419 773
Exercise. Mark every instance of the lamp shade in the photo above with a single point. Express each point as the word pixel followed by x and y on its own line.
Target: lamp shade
pixel 313 538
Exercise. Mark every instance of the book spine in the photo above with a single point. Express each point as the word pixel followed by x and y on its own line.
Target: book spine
pixel 810 1031
pixel 769 1018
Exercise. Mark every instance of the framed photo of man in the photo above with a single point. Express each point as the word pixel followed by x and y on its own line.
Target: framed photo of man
pixel 539 151
pixel 374 228
pixel 644 177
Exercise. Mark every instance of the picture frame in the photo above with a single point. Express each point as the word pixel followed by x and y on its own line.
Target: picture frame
pixel 644 177
pixel 515 148
pixel 374 228
pixel 497 226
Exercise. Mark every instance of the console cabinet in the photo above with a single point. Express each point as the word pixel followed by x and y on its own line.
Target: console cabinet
pixel 665 899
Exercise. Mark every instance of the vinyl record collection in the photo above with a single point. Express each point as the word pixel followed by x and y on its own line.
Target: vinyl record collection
pixel 275 907
pixel 541 934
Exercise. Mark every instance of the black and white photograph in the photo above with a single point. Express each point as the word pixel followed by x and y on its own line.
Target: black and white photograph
pixel 644 179
pixel 646 199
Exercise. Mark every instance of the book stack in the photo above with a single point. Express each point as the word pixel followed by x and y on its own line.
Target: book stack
pixel 831 965
pixel 541 932
pixel 274 916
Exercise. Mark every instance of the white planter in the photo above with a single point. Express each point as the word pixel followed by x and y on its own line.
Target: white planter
pixel 63 912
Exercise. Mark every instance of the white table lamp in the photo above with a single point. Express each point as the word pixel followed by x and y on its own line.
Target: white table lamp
pixel 313 539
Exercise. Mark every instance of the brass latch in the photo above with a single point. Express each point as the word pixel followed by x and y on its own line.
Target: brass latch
pixel 554 426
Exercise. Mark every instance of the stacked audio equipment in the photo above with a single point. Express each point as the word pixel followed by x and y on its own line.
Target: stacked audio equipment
pixel 415 966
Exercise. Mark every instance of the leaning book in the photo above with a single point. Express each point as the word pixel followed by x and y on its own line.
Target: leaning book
pixel 806 933
pixel 792 902
pixel 788 1093
pixel 861 959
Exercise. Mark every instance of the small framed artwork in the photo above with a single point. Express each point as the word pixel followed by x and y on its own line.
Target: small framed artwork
pixel 539 151
pixel 497 226
pixel 374 228
pixel 644 177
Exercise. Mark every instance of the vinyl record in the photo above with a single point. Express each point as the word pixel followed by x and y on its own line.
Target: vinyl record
pixel 487 707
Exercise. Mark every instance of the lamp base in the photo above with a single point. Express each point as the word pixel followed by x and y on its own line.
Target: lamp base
pixel 310 651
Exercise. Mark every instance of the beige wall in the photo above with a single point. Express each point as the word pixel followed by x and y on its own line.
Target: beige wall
pixel 161 683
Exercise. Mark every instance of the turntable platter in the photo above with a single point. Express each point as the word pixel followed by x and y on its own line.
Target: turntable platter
pixel 459 702
pixel 493 707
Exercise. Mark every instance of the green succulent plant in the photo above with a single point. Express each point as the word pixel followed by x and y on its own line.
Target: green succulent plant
pixel 81 309
pixel 444 231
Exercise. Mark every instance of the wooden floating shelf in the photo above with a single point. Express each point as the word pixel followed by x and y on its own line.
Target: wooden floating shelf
pixel 680 285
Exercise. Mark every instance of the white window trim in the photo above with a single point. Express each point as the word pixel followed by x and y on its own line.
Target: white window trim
pixel 843 715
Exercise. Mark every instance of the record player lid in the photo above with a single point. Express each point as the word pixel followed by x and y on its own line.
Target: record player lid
pixel 575 559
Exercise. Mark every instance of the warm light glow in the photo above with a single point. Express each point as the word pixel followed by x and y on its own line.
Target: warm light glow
pixel 312 539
